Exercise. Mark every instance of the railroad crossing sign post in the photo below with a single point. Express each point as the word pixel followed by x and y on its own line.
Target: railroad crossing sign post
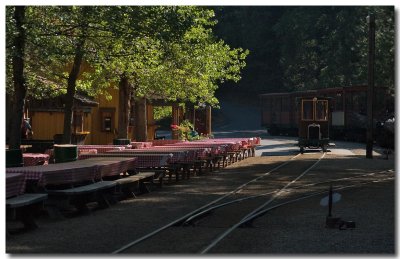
pixel 335 222
pixel 331 222
pixel 370 91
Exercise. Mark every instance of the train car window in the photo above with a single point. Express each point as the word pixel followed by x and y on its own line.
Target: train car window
pixel 321 110
pixel 307 110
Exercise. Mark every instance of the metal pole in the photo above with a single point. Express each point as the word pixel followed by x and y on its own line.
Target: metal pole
pixel 370 92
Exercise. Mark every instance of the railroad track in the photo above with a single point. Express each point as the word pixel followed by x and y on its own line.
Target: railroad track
pixel 291 171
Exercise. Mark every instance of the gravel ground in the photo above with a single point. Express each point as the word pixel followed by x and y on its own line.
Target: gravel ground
pixel 291 230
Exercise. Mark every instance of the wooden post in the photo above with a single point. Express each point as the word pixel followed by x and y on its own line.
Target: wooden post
pixel 151 124
pixel 370 92
pixel 141 119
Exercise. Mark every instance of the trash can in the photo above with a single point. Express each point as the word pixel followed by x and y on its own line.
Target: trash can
pixel 65 153
pixel 14 158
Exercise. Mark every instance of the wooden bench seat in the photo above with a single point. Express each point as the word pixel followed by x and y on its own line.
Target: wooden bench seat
pixel 25 200
pixel 127 185
pixel 102 192
pixel 159 173
pixel 97 186
pixel 23 207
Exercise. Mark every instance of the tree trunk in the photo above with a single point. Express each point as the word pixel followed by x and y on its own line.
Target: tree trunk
pixel 71 89
pixel 9 115
pixel 141 119
pixel 18 78
pixel 72 77
pixel 124 107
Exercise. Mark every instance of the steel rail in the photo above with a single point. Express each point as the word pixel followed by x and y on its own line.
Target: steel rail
pixel 187 222
pixel 232 228
pixel 262 212
pixel 123 248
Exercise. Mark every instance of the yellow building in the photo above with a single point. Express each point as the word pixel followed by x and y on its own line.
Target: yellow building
pixel 96 121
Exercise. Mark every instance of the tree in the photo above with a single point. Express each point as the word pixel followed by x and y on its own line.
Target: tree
pixel 133 47
pixel 298 48
pixel 251 27
pixel 327 46
pixel 17 53
pixel 173 56
pixel 57 37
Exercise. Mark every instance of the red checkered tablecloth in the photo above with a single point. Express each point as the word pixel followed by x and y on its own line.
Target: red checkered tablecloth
pixel 194 153
pixel 228 145
pixel 15 184
pixel 243 141
pixel 53 174
pixel 108 166
pixel 143 160
pixel 35 159
pixel 87 151
pixel 136 145
pixel 177 155
pixel 215 148
pixel 100 148
pixel 162 142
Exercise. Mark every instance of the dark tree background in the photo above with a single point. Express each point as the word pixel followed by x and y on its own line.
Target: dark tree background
pixel 307 47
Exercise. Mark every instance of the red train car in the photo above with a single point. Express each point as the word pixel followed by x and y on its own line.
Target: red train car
pixel 348 105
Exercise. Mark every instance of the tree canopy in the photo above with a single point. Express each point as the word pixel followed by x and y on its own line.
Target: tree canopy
pixel 298 48
pixel 168 51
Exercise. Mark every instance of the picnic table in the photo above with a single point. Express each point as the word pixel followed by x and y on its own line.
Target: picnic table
pixel 15 184
pixel 214 148
pixel 111 166
pixel 77 171
pixel 54 174
pixel 158 163
pixel 178 158
pixel 31 159
pixel 20 205
pixel 177 155
pixel 143 160
pixel 194 152
pixel 196 157
pixel 245 145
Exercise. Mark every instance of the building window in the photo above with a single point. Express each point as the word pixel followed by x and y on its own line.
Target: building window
pixel 107 116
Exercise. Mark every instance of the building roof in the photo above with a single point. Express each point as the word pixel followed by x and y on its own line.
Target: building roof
pixel 81 101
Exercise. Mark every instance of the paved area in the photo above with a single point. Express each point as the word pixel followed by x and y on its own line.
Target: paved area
pixel 280 146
